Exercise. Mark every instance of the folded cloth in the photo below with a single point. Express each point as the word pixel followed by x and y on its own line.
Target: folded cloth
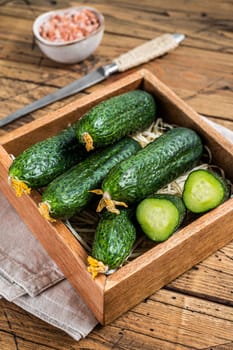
pixel 23 262
pixel 30 279
pixel 62 307
pixel 228 134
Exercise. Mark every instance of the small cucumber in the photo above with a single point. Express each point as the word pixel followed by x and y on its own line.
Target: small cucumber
pixel 160 215
pixel 204 190
pixel 69 193
pixel 113 242
pixel 44 161
pixel 151 168
pixel 115 118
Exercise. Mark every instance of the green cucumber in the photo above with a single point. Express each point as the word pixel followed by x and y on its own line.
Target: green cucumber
pixel 160 215
pixel 113 242
pixel 156 165
pixel 204 190
pixel 70 192
pixel 115 118
pixel 45 160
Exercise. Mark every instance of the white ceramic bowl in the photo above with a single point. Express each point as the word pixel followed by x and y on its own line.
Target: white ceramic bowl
pixel 68 51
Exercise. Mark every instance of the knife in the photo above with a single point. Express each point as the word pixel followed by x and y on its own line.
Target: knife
pixel 141 54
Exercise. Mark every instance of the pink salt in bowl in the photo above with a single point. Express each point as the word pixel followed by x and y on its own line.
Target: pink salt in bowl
pixel 69 35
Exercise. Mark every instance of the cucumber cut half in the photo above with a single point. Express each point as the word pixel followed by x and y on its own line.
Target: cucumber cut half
pixel 204 190
pixel 159 216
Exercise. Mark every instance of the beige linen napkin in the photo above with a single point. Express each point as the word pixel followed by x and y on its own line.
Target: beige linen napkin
pixel 24 265
pixel 30 279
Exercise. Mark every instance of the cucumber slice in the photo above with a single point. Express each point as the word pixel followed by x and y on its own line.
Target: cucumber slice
pixel 159 216
pixel 204 190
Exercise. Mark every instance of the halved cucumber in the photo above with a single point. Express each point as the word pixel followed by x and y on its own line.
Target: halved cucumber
pixel 159 216
pixel 204 190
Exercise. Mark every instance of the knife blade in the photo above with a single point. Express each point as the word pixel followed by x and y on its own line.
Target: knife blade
pixel 141 54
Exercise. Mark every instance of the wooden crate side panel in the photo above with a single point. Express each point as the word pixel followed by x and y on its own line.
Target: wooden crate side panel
pixel 53 122
pixel 165 262
pixel 175 110
pixel 57 240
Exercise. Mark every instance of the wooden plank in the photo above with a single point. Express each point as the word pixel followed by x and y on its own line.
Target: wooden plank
pixel 128 42
pixel 23 331
pixel 222 121
pixel 167 320
pixel 199 71
pixel 149 24
pixel 201 90
pixel 196 24
pixel 210 104
pixel 212 279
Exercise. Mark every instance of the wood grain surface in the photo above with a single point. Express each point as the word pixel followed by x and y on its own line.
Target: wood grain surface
pixel 194 311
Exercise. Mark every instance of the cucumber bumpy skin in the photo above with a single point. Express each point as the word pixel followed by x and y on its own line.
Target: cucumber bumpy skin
pixel 115 118
pixel 159 163
pixel 70 192
pixel 113 242
pixel 45 160
pixel 160 216
pixel 204 190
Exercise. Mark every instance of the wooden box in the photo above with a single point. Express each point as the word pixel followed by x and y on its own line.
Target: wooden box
pixel 108 297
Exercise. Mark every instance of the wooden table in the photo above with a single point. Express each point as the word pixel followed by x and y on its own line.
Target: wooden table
pixel 195 310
